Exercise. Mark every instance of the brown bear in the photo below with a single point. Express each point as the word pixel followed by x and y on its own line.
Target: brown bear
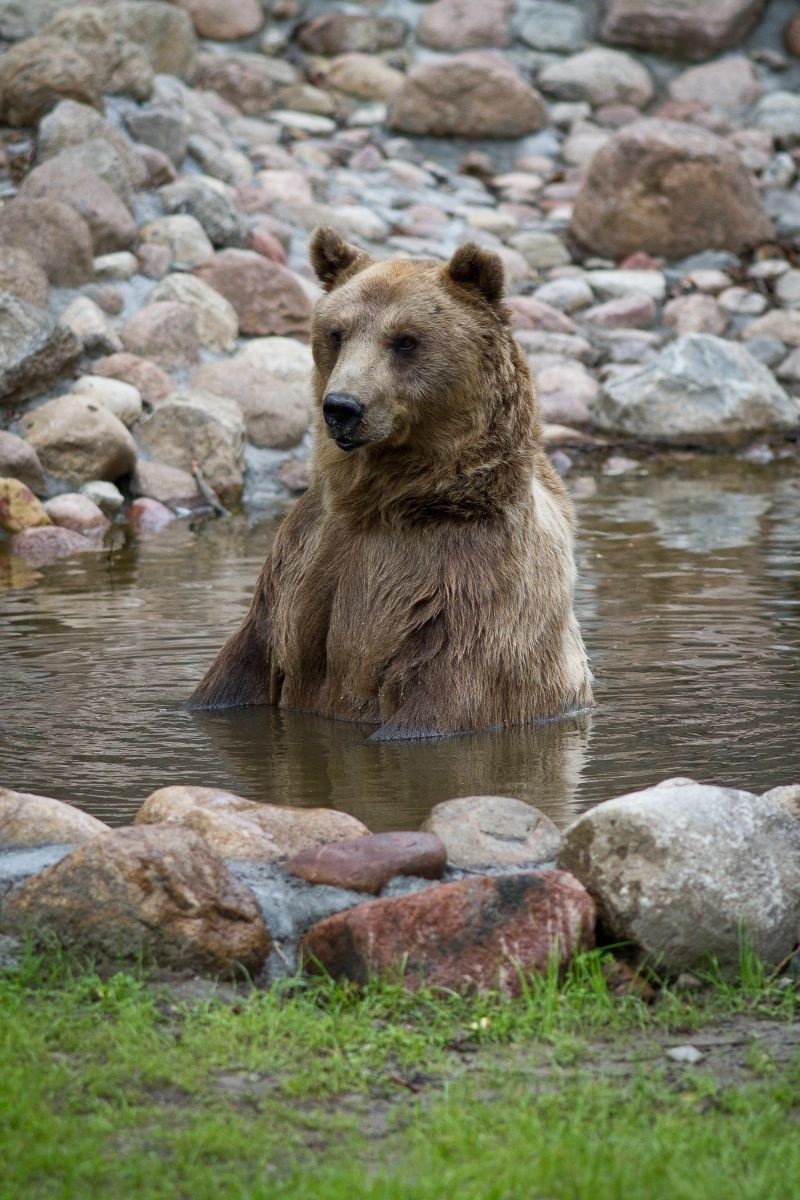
pixel 423 583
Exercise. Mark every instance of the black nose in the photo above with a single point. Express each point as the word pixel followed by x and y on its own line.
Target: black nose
pixel 342 412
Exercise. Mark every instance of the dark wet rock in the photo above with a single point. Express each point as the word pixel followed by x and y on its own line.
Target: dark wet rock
pixel 22 276
pixel 267 297
pixel 19 460
pixel 209 205
pixel 19 507
pixel 110 223
pixel 196 428
pixel 154 892
pixel 366 864
pixel 34 350
pixel 701 390
pixel 30 820
pixel 42 546
pixel 680 28
pixel 164 30
pixel 476 934
pixel 465 24
pixel 37 73
pixel 478 94
pixel 483 831
pixel 669 189
pixel 338 32
pixel 684 870
pixel 54 235
pixel 150 380
pixel 78 439
pixel 120 65
pixel 165 331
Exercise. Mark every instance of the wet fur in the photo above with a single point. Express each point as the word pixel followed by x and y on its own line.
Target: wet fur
pixel 424 582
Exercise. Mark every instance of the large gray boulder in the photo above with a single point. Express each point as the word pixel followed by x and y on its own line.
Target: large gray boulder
pixel 34 350
pixel 687 870
pixel 701 390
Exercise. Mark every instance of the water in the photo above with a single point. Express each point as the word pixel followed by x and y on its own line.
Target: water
pixel 689 598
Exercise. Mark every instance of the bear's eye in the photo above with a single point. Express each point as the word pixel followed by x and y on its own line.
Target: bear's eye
pixel 405 344
pixel 336 338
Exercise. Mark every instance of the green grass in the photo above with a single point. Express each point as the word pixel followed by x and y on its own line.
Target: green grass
pixel 114 1088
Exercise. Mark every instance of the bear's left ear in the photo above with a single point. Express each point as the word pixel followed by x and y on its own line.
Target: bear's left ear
pixel 479 268
pixel 333 258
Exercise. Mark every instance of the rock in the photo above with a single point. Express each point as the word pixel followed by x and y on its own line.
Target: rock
pixel 473 95
pixel 477 934
pixel 29 820
pixel 267 297
pixel 553 27
pixel 146 515
pixel 156 893
pixel 569 294
pixel 162 128
pixel 779 114
pixel 215 318
pixel 164 30
pixel 165 331
pixel 37 73
pixel 119 65
pixel 152 383
pixel 670 189
pixel 106 496
pixel 116 267
pixel 20 461
pixel 528 312
pixel 248 81
pixel 366 864
pixel 465 24
pixel 730 85
pixel 87 322
pixel 767 350
pixel 283 357
pixel 786 798
pixel 53 234
pixel 683 868
pixel 336 32
pixel 122 399
pixel 22 276
pixel 185 237
pixel 741 301
pixel 34 350
pixel 191 428
pixel 787 289
pixel 225 20
pixel 277 412
pixel 781 324
pixel 598 76
pixel 363 76
pixel 496 831
pixel 168 485
pixel 541 249
pixel 46 544
pixel 284 187
pixel 290 830
pixel 110 223
pixel 789 369
pixel 791 36
pixel 304 98
pixel 210 206
pixel 700 390
pixel 695 314
pixel 634 311
pixel 19 508
pixel 78 439
pixel 73 510
pixel 566 393
pixel 680 30
pixel 76 128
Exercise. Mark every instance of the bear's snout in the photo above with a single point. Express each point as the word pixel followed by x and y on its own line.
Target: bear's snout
pixel 342 414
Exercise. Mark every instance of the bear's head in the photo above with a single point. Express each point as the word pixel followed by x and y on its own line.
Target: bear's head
pixel 405 350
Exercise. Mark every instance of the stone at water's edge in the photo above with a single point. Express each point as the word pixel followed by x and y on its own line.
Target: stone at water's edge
pixel 155 892
pixel 19 508
pixel 30 820
pixel 366 864
pixel 701 390
pixel 78 440
pixel 685 870
pixel 498 831
pixel 478 933
pixel 20 461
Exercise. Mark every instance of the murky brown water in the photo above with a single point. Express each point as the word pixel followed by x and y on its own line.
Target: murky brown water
pixel 689 598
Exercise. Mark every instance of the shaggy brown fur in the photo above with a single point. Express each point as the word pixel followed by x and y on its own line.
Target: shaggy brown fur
pixel 424 582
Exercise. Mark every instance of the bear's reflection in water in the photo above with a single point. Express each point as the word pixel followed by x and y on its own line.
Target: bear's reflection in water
pixel 292 758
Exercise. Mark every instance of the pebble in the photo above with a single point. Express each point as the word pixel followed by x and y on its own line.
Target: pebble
pixel 687 1055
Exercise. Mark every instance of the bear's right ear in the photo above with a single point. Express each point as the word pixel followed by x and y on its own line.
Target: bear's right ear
pixel 478 268
pixel 333 258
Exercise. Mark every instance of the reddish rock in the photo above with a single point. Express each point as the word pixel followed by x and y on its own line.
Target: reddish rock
pixel 267 245
pixel 149 516
pixel 250 81
pixel 162 482
pixel 529 313
pixel 64 178
pixel 295 474
pixel 154 892
pixel 45 545
pixel 154 260
pixel 224 20
pixel 165 330
pixel 267 297
pixel 639 261
pixel 338 32
pixel 73 510
pixel 730 84
pixel 152 383
pixel 54 235
pixel 680 28
pixel 366 864
pixel 465 24
pixel 634 311
pixel 481 933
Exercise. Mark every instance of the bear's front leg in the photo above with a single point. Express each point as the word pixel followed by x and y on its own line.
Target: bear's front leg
pixel 241 674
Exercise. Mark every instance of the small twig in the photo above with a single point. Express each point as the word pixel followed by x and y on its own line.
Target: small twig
pixel 208 493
